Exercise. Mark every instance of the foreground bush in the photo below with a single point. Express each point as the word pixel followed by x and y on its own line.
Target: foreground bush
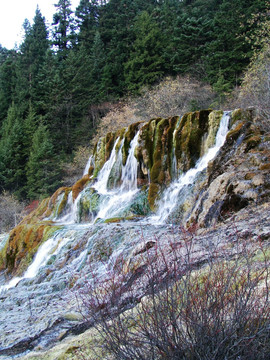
pixel 11 211
pixel 200 301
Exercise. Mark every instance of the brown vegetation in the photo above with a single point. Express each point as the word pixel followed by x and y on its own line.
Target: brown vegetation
pixel 11 211
pixel 201 302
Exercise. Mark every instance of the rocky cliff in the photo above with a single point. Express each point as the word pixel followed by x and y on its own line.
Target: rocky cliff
pixel 140 183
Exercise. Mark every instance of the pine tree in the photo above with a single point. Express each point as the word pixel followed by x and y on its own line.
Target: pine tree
pixel 63 28
pixel 42 170
pixel 146 64
pixel 87 17
pixel 31 60
pixel 229 52
pixel 12 156
pixel 7 82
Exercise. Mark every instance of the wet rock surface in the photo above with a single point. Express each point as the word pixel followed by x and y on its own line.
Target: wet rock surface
pixel 37 314
pixel 227 202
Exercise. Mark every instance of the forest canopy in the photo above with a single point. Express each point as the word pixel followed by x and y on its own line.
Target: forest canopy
pixel 60 81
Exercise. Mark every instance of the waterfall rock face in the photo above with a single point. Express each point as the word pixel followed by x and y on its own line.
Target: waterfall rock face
pixel 139 183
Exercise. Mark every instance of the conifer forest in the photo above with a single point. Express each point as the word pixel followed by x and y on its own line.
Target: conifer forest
pixel 57 84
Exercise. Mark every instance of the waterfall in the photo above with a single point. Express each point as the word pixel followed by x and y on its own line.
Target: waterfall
pixel 129 171
pixel 115 202
pixel 103 176
pixel 51 247
pixel 71 211
pixel 119 198
pixel 87 166
pixel 169 198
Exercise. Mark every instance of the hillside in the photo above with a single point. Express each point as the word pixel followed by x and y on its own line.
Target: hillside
pixel 149 187
pixel 57 85
pixel 135 183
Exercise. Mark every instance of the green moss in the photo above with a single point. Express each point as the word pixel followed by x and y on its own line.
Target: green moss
pixel 235 132
pixel 99 156
pixel 78 186
pixel 155 171
pixel 114 220
pixel 236 115
pixel 89 204
pixel 153 195
pixel 23 242
pixel 189 138
pixel 213 125
pixel 109 143
pixel 3 252
pixel 129 135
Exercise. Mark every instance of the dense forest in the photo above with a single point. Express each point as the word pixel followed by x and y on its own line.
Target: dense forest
pixel 56 85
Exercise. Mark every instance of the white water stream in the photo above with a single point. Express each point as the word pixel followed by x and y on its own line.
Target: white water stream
pixel 169 198
pixel 87 166
pixel 115 200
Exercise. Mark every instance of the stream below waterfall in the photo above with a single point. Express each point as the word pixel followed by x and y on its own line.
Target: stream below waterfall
pixel 115 201
pixel 40 298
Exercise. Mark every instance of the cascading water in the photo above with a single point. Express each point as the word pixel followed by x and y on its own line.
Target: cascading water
pixel 103 176
pixel 87 166
pixel 114 201
pixel 169 198
pixel 117 199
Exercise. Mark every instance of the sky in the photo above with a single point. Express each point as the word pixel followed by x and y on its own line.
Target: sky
pixel 14 12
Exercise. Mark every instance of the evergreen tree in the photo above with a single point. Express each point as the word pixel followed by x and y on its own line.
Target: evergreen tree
pixel 31 60
pixel 63 28
pixel 42 170
pixel 29 128
pixel 145 65
pixel 12 156
pixel 7 82
pixel 116 23
pixel 87 17
pixel 229 53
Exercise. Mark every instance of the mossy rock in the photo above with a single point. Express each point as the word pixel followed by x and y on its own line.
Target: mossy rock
pixel 58 201
pixel 162 151
pixel 109 143
pixel 89 204
pixel 99 155
pixel 240 115
pixel 153 195
pixel 79 186
pixel 129 136
pixel 189 138
pixel 24 241
pixel 253 142
pixel 234 133
pixel 214 119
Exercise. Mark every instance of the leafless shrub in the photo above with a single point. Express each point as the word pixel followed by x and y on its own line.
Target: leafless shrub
pixel 73 171
pixel 174 97
pixel 198 302
pixel 11 211
pixel 255 90
pixel 169 98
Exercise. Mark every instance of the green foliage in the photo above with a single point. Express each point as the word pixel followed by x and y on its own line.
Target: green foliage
pixel 87 14
pixel 63 32
pixel 42 169
pixel 12 158
pixel 111 48
pixel 146 64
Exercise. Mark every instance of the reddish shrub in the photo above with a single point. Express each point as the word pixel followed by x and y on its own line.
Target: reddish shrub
pixel 194 301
